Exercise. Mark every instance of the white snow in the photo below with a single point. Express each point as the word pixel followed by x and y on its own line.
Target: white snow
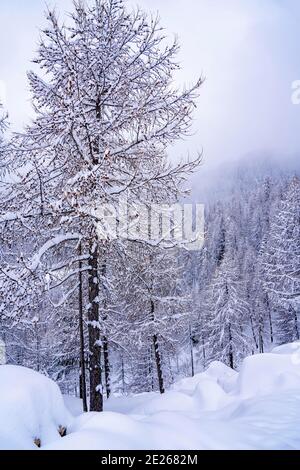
pixel 289 348
pixel 267 373
pixel 31 407
pixel 257 408
pixel 51 244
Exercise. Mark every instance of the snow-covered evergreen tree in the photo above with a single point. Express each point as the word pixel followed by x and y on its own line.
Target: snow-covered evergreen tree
pixel 228 308
pixel 281 261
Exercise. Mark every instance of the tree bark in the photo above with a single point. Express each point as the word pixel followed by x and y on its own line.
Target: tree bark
pixel 96 397
pixel 157 355
pixel 158 365
pixel 106 366
pixel 296 324
pixel 81 335
pixel 230 348
pixel 203 351
pixel 104 339
pixel 192 351
pixel 260 340
pixel 123 375
pixel 270 321
pixel 37 339
pixel 150 372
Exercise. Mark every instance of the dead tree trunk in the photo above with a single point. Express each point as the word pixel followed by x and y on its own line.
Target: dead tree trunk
pixel 96 398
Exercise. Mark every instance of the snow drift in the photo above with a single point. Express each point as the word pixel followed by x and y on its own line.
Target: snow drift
pixel 257 408
pixel 31 409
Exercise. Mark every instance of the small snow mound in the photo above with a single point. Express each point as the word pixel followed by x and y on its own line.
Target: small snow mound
pixel 224 375
pixel 31 407
pixel 188 385
pixel 217 372
pixel 264 373
pixel 209 395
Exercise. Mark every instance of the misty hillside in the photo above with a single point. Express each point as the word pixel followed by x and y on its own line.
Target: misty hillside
pixel 245 281
pixel 213 182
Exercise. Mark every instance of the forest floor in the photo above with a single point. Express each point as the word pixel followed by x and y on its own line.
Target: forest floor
pixel 257 408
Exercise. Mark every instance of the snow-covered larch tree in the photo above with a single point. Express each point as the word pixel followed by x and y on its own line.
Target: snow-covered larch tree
pixel 106 111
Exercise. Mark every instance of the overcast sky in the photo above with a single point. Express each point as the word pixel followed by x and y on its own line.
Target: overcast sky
pixel 248 50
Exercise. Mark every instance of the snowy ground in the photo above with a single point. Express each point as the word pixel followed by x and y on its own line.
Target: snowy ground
pixel 259 408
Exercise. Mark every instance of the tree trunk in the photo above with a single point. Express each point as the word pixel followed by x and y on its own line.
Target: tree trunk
pixel 203 352
pixel 192 351
pixel 158 365
pixel 271 327
pixel 296 324
pixel 104 339
pixel 230 348
pixel 157 356
pixel 150 371
pixel 96 398
pixel 37 339
pixel 106 366
pixel 260 340
pixel 253 331
pixel 81 335
pixel 270 321
pixel 122 375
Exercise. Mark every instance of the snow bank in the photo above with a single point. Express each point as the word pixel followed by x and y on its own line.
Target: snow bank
pixel 99 431
pixel 209 389
pixel 217 372
pixel 31 407
pixel 223 375
pixel 257 408
pixel 267 373
pixel 210 396
pixel 289 348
